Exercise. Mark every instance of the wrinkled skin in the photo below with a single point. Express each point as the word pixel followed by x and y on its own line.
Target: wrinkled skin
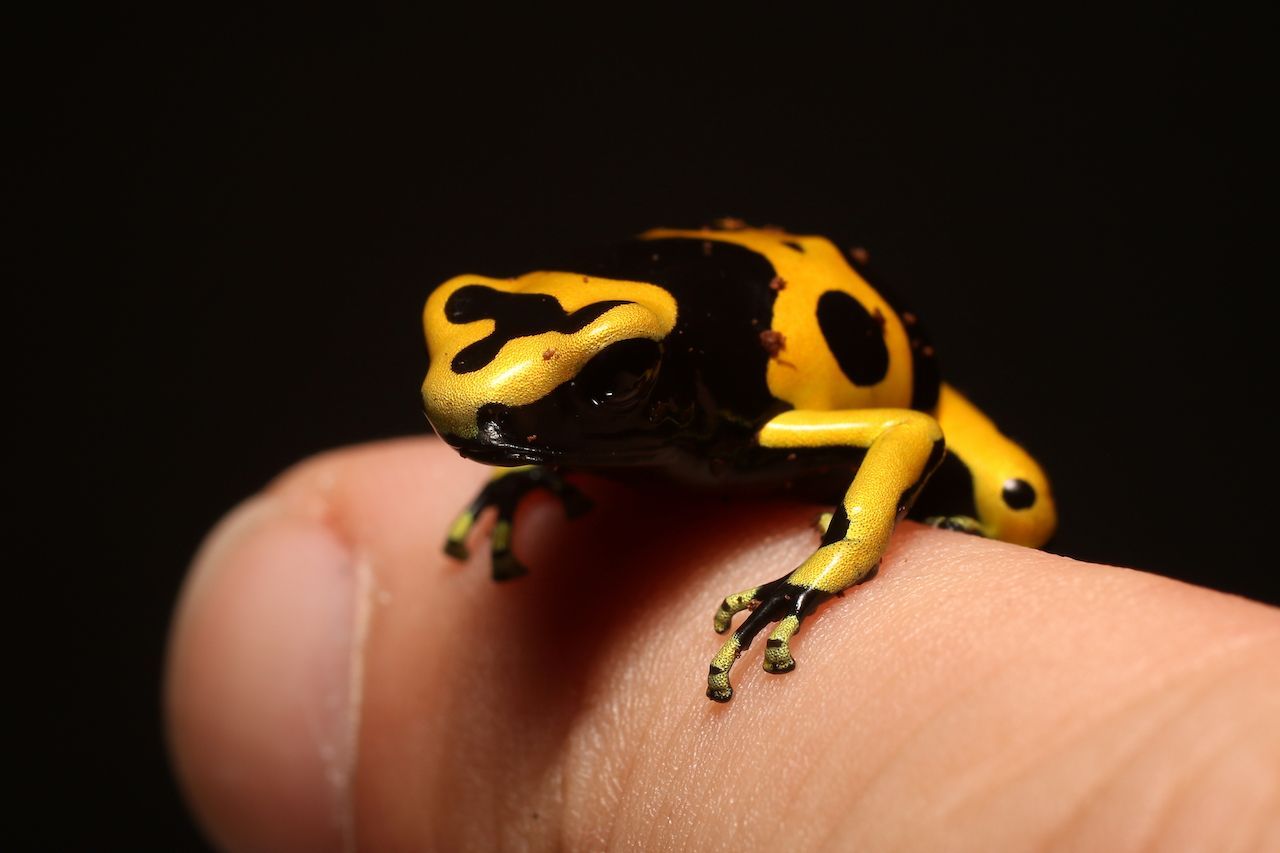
pixel 334 680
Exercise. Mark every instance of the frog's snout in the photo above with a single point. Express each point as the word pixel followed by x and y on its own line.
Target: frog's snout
pixel 603 411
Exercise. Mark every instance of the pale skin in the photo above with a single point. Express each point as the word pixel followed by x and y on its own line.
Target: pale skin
pixel 336 682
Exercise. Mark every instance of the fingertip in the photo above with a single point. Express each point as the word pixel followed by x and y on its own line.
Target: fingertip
pixel 262 693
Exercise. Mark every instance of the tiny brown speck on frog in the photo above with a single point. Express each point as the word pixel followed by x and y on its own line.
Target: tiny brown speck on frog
pixel 773 342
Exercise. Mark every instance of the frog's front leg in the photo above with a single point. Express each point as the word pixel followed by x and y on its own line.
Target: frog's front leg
pixel 903 447
pixel 504 491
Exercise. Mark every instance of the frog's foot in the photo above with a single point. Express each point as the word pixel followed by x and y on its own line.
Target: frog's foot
pixel 778 601
pixel 504 492
pixel 959 523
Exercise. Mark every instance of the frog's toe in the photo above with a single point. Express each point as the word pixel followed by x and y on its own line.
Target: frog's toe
pixel 455 545
pixel 736 603
pixel 779 602
pixel 958 523
pixel 718 687
pixel 506 567
pixel 777 651
pixel 457 549
pixel 823 522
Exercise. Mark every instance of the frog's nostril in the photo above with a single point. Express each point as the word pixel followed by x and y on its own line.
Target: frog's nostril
pixel 491 432
pixel 493 422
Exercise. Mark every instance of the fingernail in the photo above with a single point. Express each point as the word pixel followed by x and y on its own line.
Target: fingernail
pixel 263 688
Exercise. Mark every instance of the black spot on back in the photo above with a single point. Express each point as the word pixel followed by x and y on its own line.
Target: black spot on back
pixel 515 315
pixel 854 337
pixel 926 378
pixel 792 244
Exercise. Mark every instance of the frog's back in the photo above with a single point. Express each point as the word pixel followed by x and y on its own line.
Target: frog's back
pixel 772 321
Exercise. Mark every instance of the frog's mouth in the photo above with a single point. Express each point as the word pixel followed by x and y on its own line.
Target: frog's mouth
pixel 552 431
pixel 495 446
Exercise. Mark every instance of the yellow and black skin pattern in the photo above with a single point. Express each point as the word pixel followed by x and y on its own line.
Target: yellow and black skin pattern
pixel 729 357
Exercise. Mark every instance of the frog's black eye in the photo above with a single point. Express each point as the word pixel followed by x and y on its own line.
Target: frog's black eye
pixel 1018 493
pixel 620 374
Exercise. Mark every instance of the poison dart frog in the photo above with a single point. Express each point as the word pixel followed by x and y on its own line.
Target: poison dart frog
pixel 726 356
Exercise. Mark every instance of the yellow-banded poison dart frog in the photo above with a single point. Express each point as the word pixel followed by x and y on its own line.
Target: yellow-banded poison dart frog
pixel 722 356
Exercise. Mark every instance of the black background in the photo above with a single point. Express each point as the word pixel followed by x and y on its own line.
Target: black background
pixel 229 228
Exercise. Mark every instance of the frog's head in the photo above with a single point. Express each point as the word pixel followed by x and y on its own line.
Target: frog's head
pixel 548 367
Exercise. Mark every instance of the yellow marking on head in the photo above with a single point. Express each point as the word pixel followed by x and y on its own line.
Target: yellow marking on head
pixel 529 367
pixel 993 459
pixel 806 374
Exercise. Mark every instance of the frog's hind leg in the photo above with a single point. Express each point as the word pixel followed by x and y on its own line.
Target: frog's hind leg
pixel 902 447
pixel 504 492
pixel 987 485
